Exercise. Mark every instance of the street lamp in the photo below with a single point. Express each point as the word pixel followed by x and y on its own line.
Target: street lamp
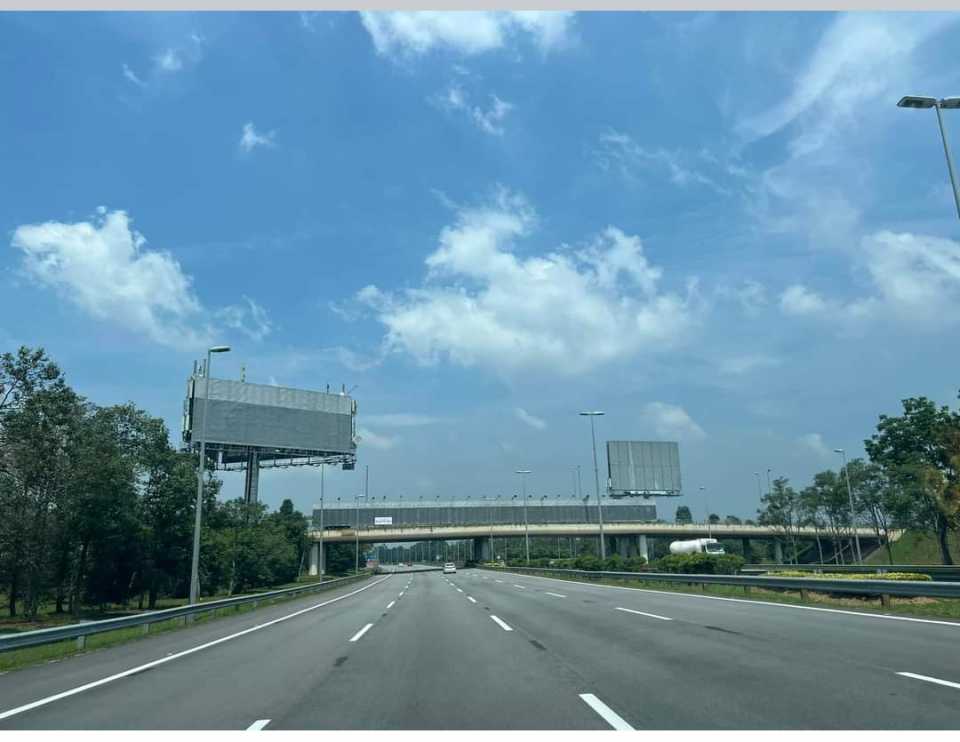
pixel 201 467
pixel 356 536
pixel 706 500
pixel 322 565
pixel 853 517
pixel 526 528
pixel 596 477
pixel 759 493
pixel 918 101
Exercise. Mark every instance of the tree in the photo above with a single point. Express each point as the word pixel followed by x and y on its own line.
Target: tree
pixel 919 452
pixel 713 518
pixel 732 520
pixel 781 510
pixel 683 515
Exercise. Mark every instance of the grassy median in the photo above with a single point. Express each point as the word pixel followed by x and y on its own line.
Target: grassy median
pixel 917 607
pixel 55 651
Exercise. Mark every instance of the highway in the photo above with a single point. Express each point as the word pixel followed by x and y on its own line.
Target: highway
pixel 485 650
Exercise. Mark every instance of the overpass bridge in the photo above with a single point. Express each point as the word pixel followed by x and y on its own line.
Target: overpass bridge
pixel 627 538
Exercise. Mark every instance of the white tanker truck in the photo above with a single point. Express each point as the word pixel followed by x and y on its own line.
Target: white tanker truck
pixel 697 546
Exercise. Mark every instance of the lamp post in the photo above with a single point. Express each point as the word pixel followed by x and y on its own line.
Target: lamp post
pixel 853 517
pixel 917 101
pixel 356 535
pixel 201 468
pixel 706 500
pixel 526 528
pixel 768 481
pixel 322 565
pixel 596 477
pixel 759 493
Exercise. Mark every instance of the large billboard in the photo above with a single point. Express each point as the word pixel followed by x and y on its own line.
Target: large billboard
pixel 643 468
pixel 277 422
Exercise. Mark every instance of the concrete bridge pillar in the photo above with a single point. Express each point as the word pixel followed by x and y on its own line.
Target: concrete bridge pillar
pixel 642 546
pixel 482 549
pixel 314 560
pixel 747 552
pixel 778 552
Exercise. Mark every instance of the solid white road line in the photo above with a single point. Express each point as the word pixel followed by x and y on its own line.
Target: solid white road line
pixel 360 633
pixel 170 657
pixel 938 681
pixel 472 600
pixel 520 587
pixel 390 604
pixel 862 614
pixel 501 624
pixel 556 595
pixel 500 581
pixel 608 714
pixel 401 593
pixel 258 725
pixel 459 590
pixel 641 613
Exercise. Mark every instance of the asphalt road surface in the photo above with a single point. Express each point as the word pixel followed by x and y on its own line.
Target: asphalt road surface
pixel 484 650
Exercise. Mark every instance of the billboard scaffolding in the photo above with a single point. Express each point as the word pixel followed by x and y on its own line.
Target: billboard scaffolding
pixel 643 468
pixel 254 426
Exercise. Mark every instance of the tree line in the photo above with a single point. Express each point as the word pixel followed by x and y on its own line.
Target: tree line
pixel 910 480
pixel 97 507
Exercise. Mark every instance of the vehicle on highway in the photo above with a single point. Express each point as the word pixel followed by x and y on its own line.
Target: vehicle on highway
pixel 697 546
pixel 449 568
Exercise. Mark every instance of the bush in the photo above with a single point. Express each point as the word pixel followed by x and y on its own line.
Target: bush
pixel 894 576
pixel 588 562
pixel 700 564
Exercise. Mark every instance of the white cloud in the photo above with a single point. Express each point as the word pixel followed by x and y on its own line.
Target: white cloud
pixel 489 121
pixel 534 422
pixel 634 162
pixel 404 33
pixel 671 421
pixel 169 61
pixel 250 139
pixel 103 267
pixel 374 440
pixel 131 76
pixel 250 318
pixel 401 420
pixel 814 442
pixel 744 364
pixel 801 301
pixel 565 311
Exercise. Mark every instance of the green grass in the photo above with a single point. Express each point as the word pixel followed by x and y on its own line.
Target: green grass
pixel 921 607
pixel 19 658
pixel 915 547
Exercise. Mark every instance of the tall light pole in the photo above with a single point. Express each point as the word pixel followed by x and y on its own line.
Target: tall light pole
pixel 918 101
pixel 853 517
pixel 706 500
pixel 322 565
pixel 596 478
pixel 201 470
pixel 526 528
pixel 768 481
pixel 356 537
pixel 759 492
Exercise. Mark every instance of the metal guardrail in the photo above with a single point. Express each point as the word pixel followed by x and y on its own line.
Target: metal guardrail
pixel 80 631
pixel 882 588
pixel 936 571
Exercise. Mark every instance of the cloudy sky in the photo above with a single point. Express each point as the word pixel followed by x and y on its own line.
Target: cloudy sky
pixel 718 228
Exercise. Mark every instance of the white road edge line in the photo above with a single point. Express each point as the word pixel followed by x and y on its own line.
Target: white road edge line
pixel 641 613
pixel 608 714
pixel 955 624
pixel 472 600
pixel 258 725
pixel 391 604
pixel 170 657
pixel 520 587
pixel 938 681
pixel 501 623
pixel 459 590
pixel 401 593
pixel 500 581
pixel 556 595
pixel 360 633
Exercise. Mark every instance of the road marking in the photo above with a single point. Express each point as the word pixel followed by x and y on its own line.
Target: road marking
pixel 520 587
pixel 360 633
pixel 608 714
pixel 938 681
pixel 472 600
pixel 390 604
pixel 401 593
pixel 500 581
pixel 501 624
pixel 170 657
pixel 954 624
pixel 556 595
pixel 459 590
pixel 641 613
pixel 258 725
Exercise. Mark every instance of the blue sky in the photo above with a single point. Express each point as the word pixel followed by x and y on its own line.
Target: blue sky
pixel 718 228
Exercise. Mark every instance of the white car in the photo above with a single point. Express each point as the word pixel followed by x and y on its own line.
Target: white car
pixel 449 568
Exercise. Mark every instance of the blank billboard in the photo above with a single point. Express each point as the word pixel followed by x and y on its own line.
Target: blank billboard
pixel 278 421
pixel 643 467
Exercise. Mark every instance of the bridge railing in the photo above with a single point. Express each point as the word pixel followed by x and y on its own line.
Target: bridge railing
pixel 80 631
pixel 875 588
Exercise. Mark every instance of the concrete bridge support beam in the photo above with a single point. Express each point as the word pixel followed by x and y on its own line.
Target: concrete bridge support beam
pixel 482 549
pixel 778 552
pixel 747 551
pixel 642 547
pixel 314 560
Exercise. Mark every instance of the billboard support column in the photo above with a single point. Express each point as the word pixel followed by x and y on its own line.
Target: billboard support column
pixel 251 486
